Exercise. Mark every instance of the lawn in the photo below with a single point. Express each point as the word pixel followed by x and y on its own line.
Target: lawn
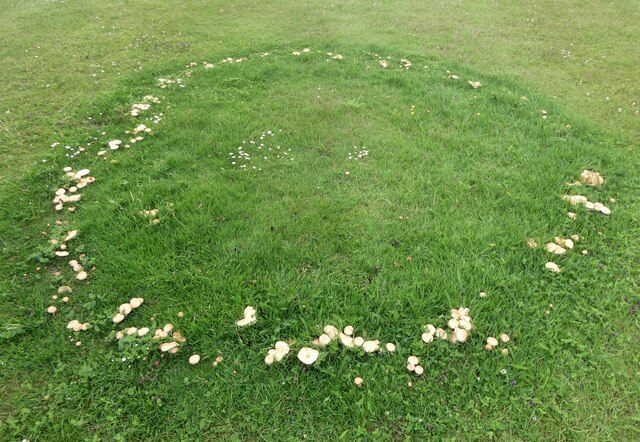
pixel 325 163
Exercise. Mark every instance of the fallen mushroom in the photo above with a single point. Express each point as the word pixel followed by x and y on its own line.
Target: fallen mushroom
pixel 65 289
pixel 347 341
pixel 165 347
pixel 125 309
pixel 308 355
pixel 474 84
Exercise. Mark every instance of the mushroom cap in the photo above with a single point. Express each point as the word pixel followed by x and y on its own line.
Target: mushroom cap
pixel 173 350
pixel 125 309
pixel 358 381
pixel 82 276
pixel 85 326
pixel 347 341
pixel 488 347
pixel 430 329
pixel 419 370
pixel 168 346
pixel 132 331
pixel 143 331
pixel 460 334
pixel 453 323
pixel 71 235
pixel 136 302
pixel 427 337
pixel 194 359
pixel 390 347
pixel 331 331
pixel 324 339
pixel 555 248
pixel 168 328
pixel 505 351
pixel 72 324
pixel 411 367
pixel 308 355
pixel 413 360
pixel 65 289
pixel 371 346
pixel 119 317
pixel 120 335
pixel 269 359
pixel 552 266
pixel 348 330
pixel 465 324
pixel 52 309
pixel 441 333
pixel 492 341
pixel 282 348
pixel 358 341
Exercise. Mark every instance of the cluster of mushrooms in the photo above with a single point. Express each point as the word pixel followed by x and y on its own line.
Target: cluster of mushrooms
pixel 152 215
pixel 460 325
pixel 126 308
pixel 138 108
pixel 493 343
pixel 68 194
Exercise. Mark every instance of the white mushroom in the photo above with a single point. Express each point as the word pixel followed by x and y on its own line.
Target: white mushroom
pixel 460 334
pixel 390 347
pixel 358 381
pixel 168 346
pixel 492 341
pixel 552 267
pixel 143 331
pixel 358 341
pixel 194 359
pixel 125 309
pixel 331 331
pixel 82 276
pixel 324 339
pixel 65 289
pixel 52 309
pixel 136 302
pixel 269 359
pixel 249 317
pixel 555 248
pixel 591 178
pixel 505 338
pixel 413 360
pixel 411 367
pixel 348 330
pixel 347 341
pixel 453 323
pixel 427 337
pixel 308 355
pixel 430 329
pixel 441 334
pixel 505 351
pixel 419 370
pixel 118 318
pixel 371 346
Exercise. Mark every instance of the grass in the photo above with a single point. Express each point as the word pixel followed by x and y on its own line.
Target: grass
pixel 472 173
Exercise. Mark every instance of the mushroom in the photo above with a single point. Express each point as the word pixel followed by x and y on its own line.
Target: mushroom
pixel 331 331
pixel 71 235
pixel 269 359
pixel 118 318
pixel 430 329
pixel 119 335
pixel 347 341
pixel 348 330
pixel 371 346
pixel 358 341
pixel 62 253
pixel 249 317
pixel 194 359
pixel 125 309
pixel 308 355
pixel 574 200
pixel 427 337
pixel 143 331
pixel 505 338
pixel 173 350
pixel 453 323
pixel 136 302
pixel 358 381
pixel 413 360
pixel 419 370
pixel 411 367
pixel 52 309
pixel 324 339
pixel 464 324
pixel 131 331
pixel 531 243
pixel 168 346
pixel 390 347
pixel 178 337
pixel 591 178
pixel 505 351
pixel 441 334
pixel 552 267
pixel 488 347
pixel 65 289
pixel 85 326
pixel 492 341
pixel 483 294
pixel 82 276
pixel 282 347
pixel 555 248
pixel 460 334
pixel 168 328
pixel 474 84
pixel 599 207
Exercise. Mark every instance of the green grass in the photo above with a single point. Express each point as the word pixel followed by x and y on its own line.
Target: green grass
pixel 476 172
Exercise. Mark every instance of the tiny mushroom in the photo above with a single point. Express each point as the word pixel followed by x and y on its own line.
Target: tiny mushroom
pixel 413 360
pixel 358 381
pixel 331 331
pixel 119 317
pixel 348 330
pixel 371 346
pixel 391 347
pixel 52 309
pixel 492 341
pixel 194 359
pixel 358 341
pixel 552 267
pixel 136 302
pixel 505 338
pixel 419 370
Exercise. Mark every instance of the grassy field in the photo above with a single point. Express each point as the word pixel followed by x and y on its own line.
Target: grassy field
pixel 450 183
